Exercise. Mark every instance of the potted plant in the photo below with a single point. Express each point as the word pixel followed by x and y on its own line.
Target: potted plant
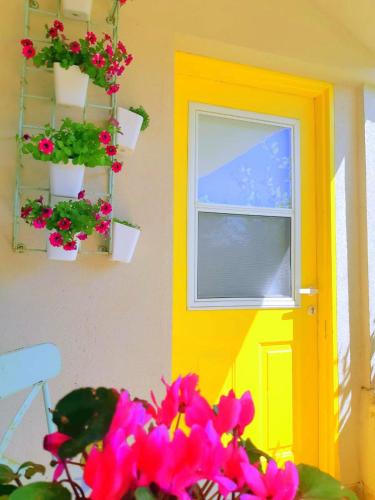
pixel 76 62
pixel 125 239
pixel 68 223
pixel 131 121
pixel 69 150
pixel 181 448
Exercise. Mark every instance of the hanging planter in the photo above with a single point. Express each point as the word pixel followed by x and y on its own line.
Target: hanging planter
pixel 66 180
pixel 70 85
pixel 68 222
pixel 96 58
pixel 125 239
pixel 69 150
pixel 77 9
pixel 131 125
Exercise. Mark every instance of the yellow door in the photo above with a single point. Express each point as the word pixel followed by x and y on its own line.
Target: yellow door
pixel 249 274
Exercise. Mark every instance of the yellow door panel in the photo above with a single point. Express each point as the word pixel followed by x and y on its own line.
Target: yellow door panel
pixel 271 352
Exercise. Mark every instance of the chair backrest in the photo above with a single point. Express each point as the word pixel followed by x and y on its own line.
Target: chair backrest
pixel 30 367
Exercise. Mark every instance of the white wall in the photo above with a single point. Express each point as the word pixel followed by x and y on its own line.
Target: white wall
pixel 112 322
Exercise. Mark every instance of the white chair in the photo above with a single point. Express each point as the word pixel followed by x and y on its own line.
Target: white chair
pixel 30 367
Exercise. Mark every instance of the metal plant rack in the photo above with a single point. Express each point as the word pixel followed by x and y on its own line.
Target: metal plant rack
pixel 32 8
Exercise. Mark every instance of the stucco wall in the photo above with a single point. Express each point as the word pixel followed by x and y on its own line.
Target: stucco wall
pixel 112 322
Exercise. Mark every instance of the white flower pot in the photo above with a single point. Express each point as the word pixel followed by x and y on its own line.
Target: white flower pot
pixel 130 124
pixel 66 180
pixel 77 9
pixel 58 253
pixel 70 85
pixel 125 239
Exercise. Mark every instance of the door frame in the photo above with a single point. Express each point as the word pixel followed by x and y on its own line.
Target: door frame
pixel 189 65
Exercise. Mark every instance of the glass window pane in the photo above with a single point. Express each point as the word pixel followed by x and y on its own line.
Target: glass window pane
pixel 243 162
pixel 243 256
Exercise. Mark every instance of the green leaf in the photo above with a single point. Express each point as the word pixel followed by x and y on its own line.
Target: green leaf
pixel 6 490
pixel 315 484
pixel 6 474
pixel 85 415
pixel 41 491
pixel 34 469
pixel 253 452
pixel 144 494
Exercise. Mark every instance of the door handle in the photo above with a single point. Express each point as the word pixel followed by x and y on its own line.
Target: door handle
pixel 308 291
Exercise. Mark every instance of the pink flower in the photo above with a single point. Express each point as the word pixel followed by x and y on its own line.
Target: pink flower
pixel 198 412
pixel 116 166
pixel 58 25
pixel 103 226
pixel 82 236
pixel 107 37
pixel 47 212
pixel 105 137
pixel 114 122
pixel 106 208
pixel 56 239
pixel 129 416
pixel 81 194
pixel 26 41
pixel 46 146
pixel 120 70
pixel 25 212
pixel 234 414
pixel 121 47
pixel 91 37
pixel 129 59
pixel 111 150
pixel 274 484
pixel 64 224
pixel 109 50
pixel 52 443
pixel 53 32
pixel 122 2
pixel 98 60
pixel 234 457
pixel 113 89
pixel 39 223
pixel 75 47
pixel 70 245
pixel 28 51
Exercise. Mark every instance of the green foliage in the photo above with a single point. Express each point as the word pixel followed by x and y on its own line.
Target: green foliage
pixel 315 484
pixel 125 223
pixel 30 469
pixel 41 491
pixel 144 494
pixel 59 51
pixel 6 490
pixel 85 415
pixel 78 142
pixel 142 112
pixel 6 474
pixel 254 453
pixel 83 216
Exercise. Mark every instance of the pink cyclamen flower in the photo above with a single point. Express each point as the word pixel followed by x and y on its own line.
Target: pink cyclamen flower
pixel 26 41
pixel 47 212
pixel 28 51
pixel 106 208
pixel 113 89
pixel 116 166
pixel 56 239
pixel 53 32
pixel 103 226
pixel 81 194
pixel 82 236
pixel 98 60
pixel 121 47
pixel 105 137
pixel 75 47
pixel 234 414
pixel 52 443
pixel 111 150
pixel 129 59
pixel 91 37
pixel 275 483
pixel 46 146
pixel 58 25
pixel 64 224
pixel 39 223
pixel 70 245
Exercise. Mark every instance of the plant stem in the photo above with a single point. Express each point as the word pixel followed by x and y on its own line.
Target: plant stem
pixel 76 489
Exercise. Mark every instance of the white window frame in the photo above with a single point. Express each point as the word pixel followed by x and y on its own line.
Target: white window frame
pixel 194 207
